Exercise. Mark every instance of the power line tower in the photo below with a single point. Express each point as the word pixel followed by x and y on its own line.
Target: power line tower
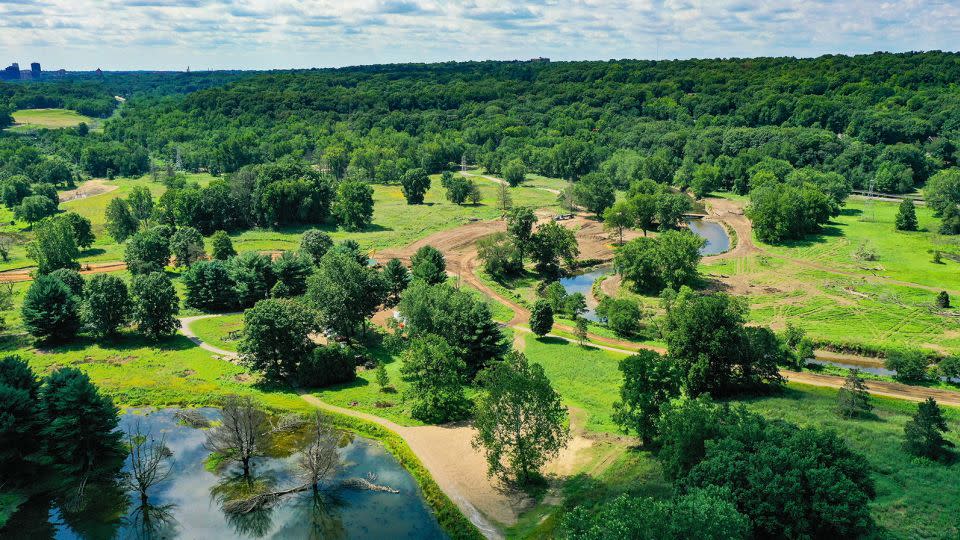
pixel 870 214
pixel 463 163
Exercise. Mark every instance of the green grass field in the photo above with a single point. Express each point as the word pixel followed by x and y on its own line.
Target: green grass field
pixel 217 331
pixel 31 119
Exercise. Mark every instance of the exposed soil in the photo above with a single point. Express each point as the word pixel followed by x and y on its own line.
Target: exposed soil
pixel 97 186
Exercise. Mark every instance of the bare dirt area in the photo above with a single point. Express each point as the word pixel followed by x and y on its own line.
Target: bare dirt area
pixel 26 274
pixel 97 186
pixel 879 388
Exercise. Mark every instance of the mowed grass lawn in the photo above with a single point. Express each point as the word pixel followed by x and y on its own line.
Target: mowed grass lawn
pixel 905 256
pixel 915 498
pixel 220 331
pixel 28 119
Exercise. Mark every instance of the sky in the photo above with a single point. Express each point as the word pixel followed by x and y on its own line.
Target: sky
pixel 282 34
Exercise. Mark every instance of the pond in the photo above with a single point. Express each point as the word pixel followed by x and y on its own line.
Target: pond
pixel 864 367
pixel 184 506
pixel 718 240
pixel 583 284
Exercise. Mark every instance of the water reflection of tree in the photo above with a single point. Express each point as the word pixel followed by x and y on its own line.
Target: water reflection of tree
pixel 149 521
pixel 96 511
pixel 235 488
pixel 323 517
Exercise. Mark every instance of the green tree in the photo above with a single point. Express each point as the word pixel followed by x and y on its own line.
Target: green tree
pixel 618 217
pixel 706 337
pixel 906 216
pixel 520 420
pixel 292 270
pixel 276 337
pixel 552 244
pixel 106 305
pixel 140 202
pixel 326 366
pixel 72 279
pixel 155 305
pixel 500 255
pixel 221 247
pixel 210 286
pixel 910 365
pixel 187 246
pixel 853 399
pixel 414 185
pixel 706 179
pixel 253 277
pixel 50 310
pixel 520 222
pixel 650 381
pixel 581 331
pixel 622 315
pixel 943 190
pixel 943 300
pixel 429 265
pixel 464 320
pixel 541 318
pixel 436 376
pixel 79 427
pixel 706 514
pixel 353 205
pixel 397 278
pixel 651 264
pixel 459 189
pixel 595 192
pixel 54 246
pixel 148 251
pixel 82 230
pixel 315 243
pixel 344 293
pixel 34 208
pixel 923 434
pixel 120 222
pixel 19 442
pixel 514 172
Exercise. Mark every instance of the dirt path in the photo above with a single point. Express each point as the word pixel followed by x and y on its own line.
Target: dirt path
pixel 25 274
pixel 502 181
pixel 879 388
pixel 188 332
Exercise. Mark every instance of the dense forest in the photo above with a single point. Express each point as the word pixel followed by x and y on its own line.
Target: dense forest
pixel 817 127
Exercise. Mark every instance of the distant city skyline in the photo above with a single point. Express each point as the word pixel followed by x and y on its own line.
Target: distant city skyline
pixel 262 34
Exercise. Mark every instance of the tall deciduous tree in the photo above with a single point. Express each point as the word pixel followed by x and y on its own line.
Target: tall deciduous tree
pixel 242 432
pixel 397 278
pixel 353 205
pixel 344 293
pixel 106 305
pixel 551 245
pixel 187 247
pixel 520 420
pixel 541 318
pixel 316 244
pixel 520 222
pixel 148 251
pixel 436 375
pixel 155 305
pixel 54 246
pixel 414 185
pixel 650 381
pixel 120 222
pixel 221 247
pixel 276 337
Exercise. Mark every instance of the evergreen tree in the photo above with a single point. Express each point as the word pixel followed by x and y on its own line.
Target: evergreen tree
pixel 943 300
pixel 20 418
pixel 428 265
pixel 853 400
pixel 50 310
pixel 541 318
pixel 924 432
pixel 221 247
pixel 79 426
pixel 906 217
pixel 155 305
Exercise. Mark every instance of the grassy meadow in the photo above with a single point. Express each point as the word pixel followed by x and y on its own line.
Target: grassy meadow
pixel 32 119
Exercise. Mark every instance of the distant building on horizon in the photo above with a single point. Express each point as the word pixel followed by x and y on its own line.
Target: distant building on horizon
pixel 540 59
pixel 35 70
pixel 11 72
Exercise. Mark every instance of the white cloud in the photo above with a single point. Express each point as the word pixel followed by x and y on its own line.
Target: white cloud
pixel 169 34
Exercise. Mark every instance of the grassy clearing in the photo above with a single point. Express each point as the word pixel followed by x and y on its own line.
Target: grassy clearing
pixel 216 330
pixel 31 119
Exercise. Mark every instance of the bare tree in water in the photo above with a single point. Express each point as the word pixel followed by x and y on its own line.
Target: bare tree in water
pixel 319 460
pixel 149 461
pixel 242 433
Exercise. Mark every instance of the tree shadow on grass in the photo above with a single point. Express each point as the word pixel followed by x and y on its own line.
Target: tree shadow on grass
pixel 829 231
pixel 92 252
pixel 553 340
pixel 123 342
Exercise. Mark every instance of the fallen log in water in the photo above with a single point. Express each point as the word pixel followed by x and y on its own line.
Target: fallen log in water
pixel 264 500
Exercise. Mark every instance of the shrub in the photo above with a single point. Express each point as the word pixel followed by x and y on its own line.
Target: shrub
pixel 327 366
pixel 909 365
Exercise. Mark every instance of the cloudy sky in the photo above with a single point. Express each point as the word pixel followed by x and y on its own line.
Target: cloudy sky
pixel 262 34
